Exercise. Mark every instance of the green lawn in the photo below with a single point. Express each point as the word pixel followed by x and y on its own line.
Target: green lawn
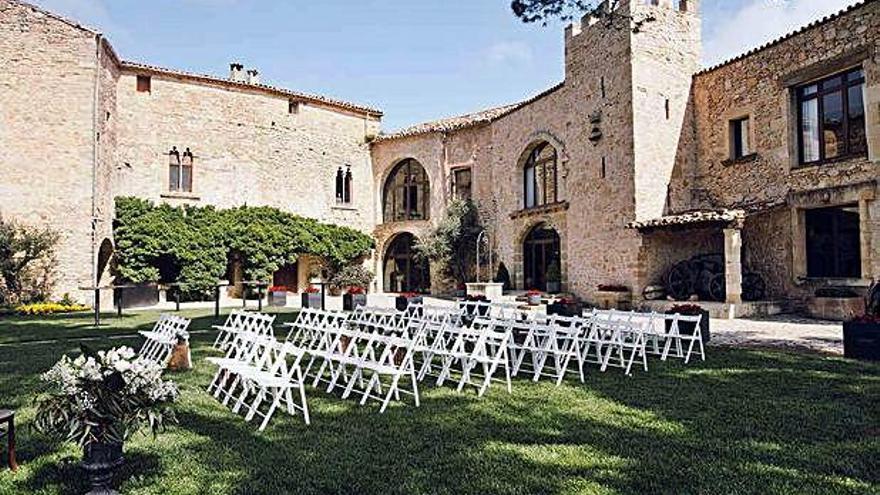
pixel 745 421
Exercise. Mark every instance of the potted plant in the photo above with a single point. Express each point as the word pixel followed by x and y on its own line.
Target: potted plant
pixel 566 306
pixel 354 297
pixel 312 298
pixel 99 400
pixel 534 297
pixel 278 295
pixel 403 301
pixel 861 335
pixel 554 278
pixel 614 296
pixel 352 276
pixel 686 327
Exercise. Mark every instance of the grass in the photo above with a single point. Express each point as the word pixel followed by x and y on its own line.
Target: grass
pixel 745 421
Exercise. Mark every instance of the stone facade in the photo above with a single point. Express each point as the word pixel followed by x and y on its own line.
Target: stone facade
pixel 77 133
pixel 641 138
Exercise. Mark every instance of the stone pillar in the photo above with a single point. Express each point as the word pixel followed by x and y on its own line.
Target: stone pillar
pixel 733 265
pixel 865 235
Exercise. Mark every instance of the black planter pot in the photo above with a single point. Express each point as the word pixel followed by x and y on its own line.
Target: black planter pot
pixel 100 461
pixel 278 299
pixel 351 301
pixel 314 301
pixel 565 309
pixel 687 328
pixel 401 302
pixel 861 340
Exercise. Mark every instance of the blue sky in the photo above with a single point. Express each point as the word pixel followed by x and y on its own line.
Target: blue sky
pixel 415 59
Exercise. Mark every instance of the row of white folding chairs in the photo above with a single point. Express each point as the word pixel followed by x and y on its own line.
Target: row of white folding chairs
pixel 360 356
pixel 257 375
pixel 160 341
pixel 662 331
pixel 243 322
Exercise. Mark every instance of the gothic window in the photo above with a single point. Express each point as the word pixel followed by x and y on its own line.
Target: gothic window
pixel 343 185
pixel 174 169
pixel 186 172
pixel 406 193
pixel 831 118
pixel 540 177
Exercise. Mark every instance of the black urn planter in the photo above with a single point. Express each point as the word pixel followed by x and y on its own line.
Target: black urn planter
pixel 688 328
pixel 350 302
pixel 100 461
pixel 861 340
pixel 402 302
pixel 565 309
pixel 312 300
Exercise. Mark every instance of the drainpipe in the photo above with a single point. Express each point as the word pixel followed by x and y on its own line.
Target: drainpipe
pixel 95 136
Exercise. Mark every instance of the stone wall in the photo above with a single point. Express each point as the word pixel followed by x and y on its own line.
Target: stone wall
pixel 47 96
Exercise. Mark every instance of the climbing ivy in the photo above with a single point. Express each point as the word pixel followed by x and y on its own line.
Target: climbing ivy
pixel 194 245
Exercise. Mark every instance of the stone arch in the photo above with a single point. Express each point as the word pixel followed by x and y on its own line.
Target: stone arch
pixel 541 251
pixel 401 270
pixel 102 267
pixel 406 192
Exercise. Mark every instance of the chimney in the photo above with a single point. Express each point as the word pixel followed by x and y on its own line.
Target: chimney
pixel 236 72
pixel 253 76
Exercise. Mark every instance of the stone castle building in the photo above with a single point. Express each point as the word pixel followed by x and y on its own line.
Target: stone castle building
pixel 637 161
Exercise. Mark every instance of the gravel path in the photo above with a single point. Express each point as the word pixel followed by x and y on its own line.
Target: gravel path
pixel 782 332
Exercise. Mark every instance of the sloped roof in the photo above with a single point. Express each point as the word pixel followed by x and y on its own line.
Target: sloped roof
pixel 450 124
pixel 306 97
pixel 691 218
pixel 57 17
pixel 784 37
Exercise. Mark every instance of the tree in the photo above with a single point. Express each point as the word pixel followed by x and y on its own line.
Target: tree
pixel 26 256
pixel 607 12
pixel 453 244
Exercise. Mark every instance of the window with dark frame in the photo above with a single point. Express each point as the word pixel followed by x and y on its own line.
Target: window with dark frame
pixel 740 145
pixel 461 183
pixel 186 172
pixel 406 193
pixel 831 118
pixel 833 242
pixel 174 170
pixel 343 185
pixel 144 84
pixel 539 177
pixel 292 106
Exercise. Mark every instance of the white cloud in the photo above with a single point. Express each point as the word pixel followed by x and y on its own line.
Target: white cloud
pixel 760 21
pixel 509 52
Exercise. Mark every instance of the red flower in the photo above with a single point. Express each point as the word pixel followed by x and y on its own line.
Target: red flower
pixel 356 290
pixel 686 309
pixel 533 292
pixel 409 295
pixel 279 288
pixel 312 290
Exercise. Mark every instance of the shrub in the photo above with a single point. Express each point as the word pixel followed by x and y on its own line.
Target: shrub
pixel 352 276
pixel 452 245
pixel 48 308
pixel 686 309
pixel 26 263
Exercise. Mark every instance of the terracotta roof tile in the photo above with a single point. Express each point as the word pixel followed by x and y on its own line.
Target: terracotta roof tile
pixel 690 218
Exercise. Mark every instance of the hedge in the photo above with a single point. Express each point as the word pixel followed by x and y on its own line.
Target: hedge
pixel 193 245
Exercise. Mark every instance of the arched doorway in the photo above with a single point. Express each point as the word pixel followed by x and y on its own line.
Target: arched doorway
pixel 541 250
pixel 105 253
pixel 402 270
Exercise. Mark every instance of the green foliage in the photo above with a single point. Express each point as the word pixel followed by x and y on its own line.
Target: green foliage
pixel 193 245
pixel 352 276
pixel 607 13
pixel 26 259
pixel 453 244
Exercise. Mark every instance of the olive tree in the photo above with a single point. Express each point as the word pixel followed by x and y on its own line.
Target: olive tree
pixel 26 262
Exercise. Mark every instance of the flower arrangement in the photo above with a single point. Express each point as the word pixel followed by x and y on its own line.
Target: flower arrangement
pixel 567 300
pixel 686 309
pixel 534 292
pixel 613 288
pixel 48 308
pixel 104 397
pixel 409 295
pixel 477 298
pixel 355 291
pixel 312 290
pixel 279 288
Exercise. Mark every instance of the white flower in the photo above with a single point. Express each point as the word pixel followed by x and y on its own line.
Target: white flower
pixel 122 365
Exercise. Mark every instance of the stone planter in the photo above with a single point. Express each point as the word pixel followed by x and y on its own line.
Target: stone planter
pixel 836 308
pixel 350 302
pixel 100 461
pixel 181 357
pixel 621 300
pixel 565 309
pixel 278 298
pixel 403 302
pixel 312 300
pixel 688 328
pixel 861 340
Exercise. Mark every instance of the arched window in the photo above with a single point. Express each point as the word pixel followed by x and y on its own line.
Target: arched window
pixel 403 270
pixel 186 172
pixel 407 193
pixel 343 185
pixel 340 178
pixel 174 169
pixel 539 177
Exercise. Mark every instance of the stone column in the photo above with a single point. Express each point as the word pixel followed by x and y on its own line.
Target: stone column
pixel 733 265
pixel 865 237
